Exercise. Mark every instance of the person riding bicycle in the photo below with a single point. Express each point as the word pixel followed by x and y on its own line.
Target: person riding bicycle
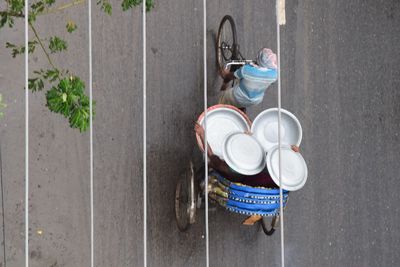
pixel 254 79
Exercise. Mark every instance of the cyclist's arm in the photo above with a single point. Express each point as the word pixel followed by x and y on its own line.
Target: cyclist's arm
pixel 227 75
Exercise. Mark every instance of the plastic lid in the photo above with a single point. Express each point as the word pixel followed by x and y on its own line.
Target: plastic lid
pixel 265 128
pixel 244 154
pixel 294 168
pixel 221 122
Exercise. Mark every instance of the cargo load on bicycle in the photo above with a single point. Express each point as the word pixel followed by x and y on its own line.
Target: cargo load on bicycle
pixel 251 165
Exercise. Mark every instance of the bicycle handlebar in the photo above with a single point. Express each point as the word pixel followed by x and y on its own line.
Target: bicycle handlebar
pixel 238 62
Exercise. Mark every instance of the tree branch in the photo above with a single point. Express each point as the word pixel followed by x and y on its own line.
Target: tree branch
pixel 48 11
pixel 42 46
pixel 11 14
pixel 62 7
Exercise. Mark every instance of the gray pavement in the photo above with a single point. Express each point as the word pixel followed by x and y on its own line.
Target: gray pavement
pixel 12 153
pixel 340 77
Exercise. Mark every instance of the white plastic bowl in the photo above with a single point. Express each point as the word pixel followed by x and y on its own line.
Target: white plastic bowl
pixel 244 154
pixel 265 128
pixel 222 120
pixel 294 170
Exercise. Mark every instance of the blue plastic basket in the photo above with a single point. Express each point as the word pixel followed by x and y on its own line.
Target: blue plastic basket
pixel 249 200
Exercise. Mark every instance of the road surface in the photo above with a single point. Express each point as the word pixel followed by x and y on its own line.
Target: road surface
pixel 340 77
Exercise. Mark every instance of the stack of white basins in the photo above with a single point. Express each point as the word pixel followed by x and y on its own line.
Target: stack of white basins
pixel 250 148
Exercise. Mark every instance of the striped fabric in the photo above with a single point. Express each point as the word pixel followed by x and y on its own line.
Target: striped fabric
pixel 254 81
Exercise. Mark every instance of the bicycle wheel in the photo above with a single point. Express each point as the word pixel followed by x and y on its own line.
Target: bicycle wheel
pixel 181 205
pixel 227 47
pixel 185 200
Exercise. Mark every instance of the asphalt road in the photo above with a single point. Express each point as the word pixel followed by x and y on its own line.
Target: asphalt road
pixel 341 74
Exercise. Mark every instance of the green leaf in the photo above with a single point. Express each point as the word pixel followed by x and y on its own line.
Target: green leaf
pixel 10 45
pixel 127 4
pixel 49 2
pixel 51 75
pixel 38 72
pixel 55 102
pixel 3 20
pixel 31 17
pixel 35 84
pixel 32 46
pixel 71 26
pixel 6 19
pixel 37 7
pixel 56 44
pixel 149 5
pixel 80 118
pixel 69 99
pixel 105 5
pixel 18 50
pixel 107 8
pixel 16 6
pixel 2 106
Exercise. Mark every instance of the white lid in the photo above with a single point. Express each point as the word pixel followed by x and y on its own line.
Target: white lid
pixel 221 123
pixel 244 154
pixel 265 128
pixel 294 168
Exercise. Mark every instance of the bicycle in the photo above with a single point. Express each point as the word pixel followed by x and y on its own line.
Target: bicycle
pixel 190 192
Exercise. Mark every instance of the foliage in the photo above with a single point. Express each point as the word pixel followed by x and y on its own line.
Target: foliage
pixel 20 49
pixel 56 44
pixel 71 26
pixel 68 98
pixel 105 5
pixel 35 84
pixel 2 106
pixel 66 95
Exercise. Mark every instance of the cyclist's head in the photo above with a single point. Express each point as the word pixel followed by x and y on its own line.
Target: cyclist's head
pixel 266 58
